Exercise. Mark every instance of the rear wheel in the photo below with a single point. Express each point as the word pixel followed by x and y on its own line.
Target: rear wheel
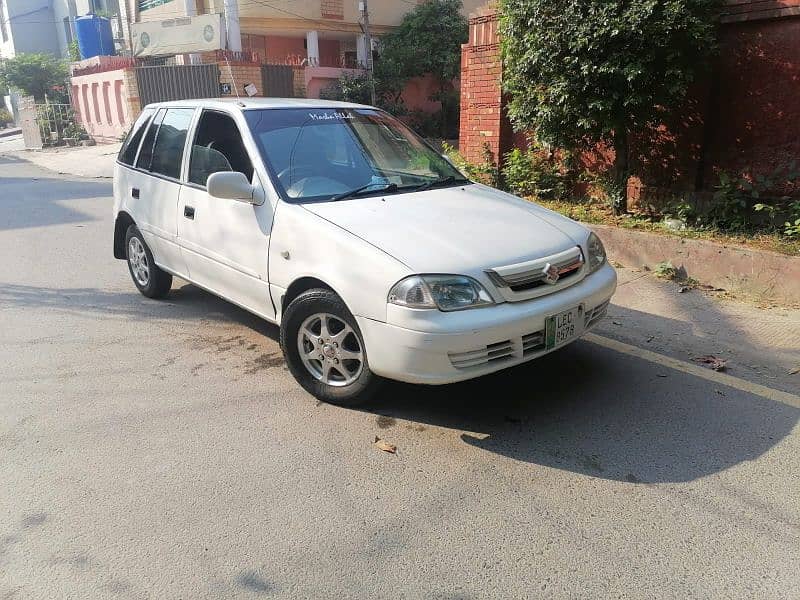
pixel 148 278
pixel 325 351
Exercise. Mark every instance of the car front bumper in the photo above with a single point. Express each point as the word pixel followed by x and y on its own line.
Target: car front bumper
pixel 438 348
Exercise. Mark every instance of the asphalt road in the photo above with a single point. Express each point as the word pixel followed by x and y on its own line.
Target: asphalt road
pixel 160 449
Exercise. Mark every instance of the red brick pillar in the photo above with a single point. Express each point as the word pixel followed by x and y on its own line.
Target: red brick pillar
pixel 482 113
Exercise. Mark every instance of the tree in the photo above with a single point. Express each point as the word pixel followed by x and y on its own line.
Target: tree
pixel 34 74
pixel 427 41
pixel 598 71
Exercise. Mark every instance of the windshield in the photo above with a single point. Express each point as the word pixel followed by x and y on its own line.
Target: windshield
pixel 320 154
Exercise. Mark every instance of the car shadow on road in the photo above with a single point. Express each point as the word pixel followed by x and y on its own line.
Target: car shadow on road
pixel 591 410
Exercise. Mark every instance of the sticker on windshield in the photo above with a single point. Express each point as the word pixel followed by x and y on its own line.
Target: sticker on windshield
pixel 330 116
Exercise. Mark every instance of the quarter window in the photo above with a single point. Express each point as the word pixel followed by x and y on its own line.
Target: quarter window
pixel 127 153
pixel 218 147
pixel 146 153
pixel 171 138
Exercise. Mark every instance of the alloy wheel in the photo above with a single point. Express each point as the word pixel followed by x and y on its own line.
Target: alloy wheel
pixel 330 349
pixel 138 261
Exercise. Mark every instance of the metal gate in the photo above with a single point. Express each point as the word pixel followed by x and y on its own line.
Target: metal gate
pixel 177 82
pixel 278 81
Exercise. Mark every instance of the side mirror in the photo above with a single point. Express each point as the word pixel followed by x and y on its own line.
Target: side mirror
pixel 230 185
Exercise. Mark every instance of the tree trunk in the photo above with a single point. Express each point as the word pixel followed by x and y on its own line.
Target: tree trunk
pixel 444 111
pixel 621 172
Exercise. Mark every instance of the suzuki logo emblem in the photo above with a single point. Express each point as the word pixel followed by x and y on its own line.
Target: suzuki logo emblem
pixel 551 274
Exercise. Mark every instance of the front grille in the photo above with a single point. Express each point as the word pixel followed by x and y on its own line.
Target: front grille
pixel 522 347
pixel 533 342
pixel 523 280
pixel 482 356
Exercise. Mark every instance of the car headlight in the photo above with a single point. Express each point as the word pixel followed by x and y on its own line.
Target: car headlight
pixel 596 252
pixel 445 292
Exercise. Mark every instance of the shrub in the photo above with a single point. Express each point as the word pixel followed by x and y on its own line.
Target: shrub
pixel 348 88
pixel 533 172
pixel 485 172
pixel 590 71
pixel 738 197
pixel 5 117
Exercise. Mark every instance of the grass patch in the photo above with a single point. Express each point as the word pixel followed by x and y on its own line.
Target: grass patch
pixel 597 212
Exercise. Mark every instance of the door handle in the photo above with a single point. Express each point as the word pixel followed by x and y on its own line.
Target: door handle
pixel 135 193
pixel 188 212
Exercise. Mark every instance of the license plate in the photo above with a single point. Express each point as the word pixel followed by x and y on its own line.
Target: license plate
pixel 562 328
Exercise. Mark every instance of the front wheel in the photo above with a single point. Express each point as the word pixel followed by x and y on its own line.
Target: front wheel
pixel 325 351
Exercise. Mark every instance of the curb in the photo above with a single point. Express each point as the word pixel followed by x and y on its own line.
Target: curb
pixel 758 273
pixel 10 132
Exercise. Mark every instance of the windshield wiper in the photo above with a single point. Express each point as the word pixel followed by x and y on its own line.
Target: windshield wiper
pixel 389 187
pixel 435 183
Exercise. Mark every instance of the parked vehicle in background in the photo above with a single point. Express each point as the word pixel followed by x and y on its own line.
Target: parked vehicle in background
pixel 376 256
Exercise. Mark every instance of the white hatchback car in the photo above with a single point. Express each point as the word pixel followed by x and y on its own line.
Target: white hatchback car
pixel 374 254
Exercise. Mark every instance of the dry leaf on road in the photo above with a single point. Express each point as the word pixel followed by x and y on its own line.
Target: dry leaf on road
pixel 712 362
pixel 385 446
pixel 794 371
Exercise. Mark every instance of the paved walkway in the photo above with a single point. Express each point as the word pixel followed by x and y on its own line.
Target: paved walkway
pixel 83 161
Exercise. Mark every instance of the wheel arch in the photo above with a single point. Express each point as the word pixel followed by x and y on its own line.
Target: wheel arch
pixel 303 284
pixel 123 221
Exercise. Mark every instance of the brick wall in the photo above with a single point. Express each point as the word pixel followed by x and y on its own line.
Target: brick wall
pixel 482 122
pixel 743 117
pixel 241 75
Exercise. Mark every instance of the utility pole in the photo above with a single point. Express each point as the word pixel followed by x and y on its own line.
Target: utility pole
pixel 368 44
pixel 234 34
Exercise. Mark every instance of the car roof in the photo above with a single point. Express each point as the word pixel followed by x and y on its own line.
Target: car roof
pixel 256 103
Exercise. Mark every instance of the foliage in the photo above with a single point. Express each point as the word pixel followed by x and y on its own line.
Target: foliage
pixel 74 51
pixel 737 198
pixel 34 74
pixel 484 172
pixel 592 71
pixel 427 42
pixel 435 125
pixel 5 117
pixel 534 172
pixel 348 88
pixel 666 270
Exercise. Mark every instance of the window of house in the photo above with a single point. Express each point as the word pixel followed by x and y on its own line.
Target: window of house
pixel 127 153
pixel 170 141
pixel 218 146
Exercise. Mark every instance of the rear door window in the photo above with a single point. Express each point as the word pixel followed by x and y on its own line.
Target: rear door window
pixel 146 153
pixel 127 153
pixel 170 141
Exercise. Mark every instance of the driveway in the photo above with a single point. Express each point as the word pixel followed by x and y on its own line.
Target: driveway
pixel 160 449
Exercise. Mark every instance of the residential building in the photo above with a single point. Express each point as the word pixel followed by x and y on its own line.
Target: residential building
pixel 27 26
pixel 324 37
pixel 49 25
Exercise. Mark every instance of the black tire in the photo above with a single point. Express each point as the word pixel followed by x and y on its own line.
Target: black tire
pixel 306 306
pixel 158 282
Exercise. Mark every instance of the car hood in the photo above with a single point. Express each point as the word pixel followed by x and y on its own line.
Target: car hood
pixel 454 230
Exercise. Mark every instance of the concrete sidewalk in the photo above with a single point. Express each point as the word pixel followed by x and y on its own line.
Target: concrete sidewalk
pixel 82 161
